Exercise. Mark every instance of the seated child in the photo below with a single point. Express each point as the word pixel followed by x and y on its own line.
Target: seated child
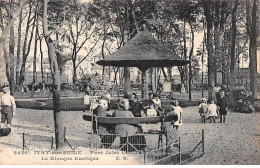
pixel 151 111
pixel 157 104
pixel 203 109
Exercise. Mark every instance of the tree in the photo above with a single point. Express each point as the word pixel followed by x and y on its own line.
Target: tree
pixel 11 61
pixel 59 129
pixel 232 54
pixel 18 51
pixel 207 6
pixel 253 34
pixel 35 46
pixel 5 31
pixel 27 44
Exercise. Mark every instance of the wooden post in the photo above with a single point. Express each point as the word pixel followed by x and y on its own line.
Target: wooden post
pixel 203 149
pixel 144 84
pixel 179 150
pixel 51 142
pixel 144 156
pixel 23 142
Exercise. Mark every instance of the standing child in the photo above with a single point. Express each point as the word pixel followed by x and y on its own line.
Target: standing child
pixel 8 108
pixel 212 111
pixel 177 110
pixel 223 105
pixel 171 128
pixel 203 109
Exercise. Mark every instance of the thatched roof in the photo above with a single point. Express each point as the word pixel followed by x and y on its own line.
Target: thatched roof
pixel 143 51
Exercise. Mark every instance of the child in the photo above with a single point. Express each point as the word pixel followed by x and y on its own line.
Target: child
pixel 177 110
pixel 212 109
pixel 151 111
pixel 203 109
pixel 157 104
pixel 222 104
pixel 171 128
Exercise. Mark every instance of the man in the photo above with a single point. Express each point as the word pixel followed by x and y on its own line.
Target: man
pixel 135 105
pixel 222 104
pixel 217 89
pixel 8 107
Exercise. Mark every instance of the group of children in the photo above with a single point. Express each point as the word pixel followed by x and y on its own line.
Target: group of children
pixel 212 110
pixel 208 110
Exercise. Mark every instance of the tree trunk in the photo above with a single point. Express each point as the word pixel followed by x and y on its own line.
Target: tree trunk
pixel 35 51
pixel 211 69
pixel 202 60
pixel 126 69
pixel 191 53
pixel 232 54
pixel 42 64
pixel 216 39
pixel 253 50
pixel 18 58
pixel 74 77
pixel 221 44
pixel 11 52
pixel 22 70
pixel 165 75
pixel 185 56
pixel 58 124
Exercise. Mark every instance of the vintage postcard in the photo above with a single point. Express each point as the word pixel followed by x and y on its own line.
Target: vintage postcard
pixel 129 82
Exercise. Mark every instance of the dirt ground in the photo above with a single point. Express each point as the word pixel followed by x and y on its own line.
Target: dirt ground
pixel 235 142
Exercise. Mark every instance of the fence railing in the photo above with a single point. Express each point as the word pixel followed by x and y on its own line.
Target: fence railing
pixel 32 142
pixel 188 147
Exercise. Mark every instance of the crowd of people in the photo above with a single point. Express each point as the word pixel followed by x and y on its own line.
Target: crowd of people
pixel 131 106
pixel 212 110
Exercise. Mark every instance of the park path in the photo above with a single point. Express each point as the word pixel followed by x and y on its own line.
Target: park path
pixel 235 142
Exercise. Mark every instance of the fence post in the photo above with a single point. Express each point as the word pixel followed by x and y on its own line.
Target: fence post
pixel 127 142
pixel 180 150
pixel 52 142
pixel 23 142
pixel 64 133
pixel 203 147
pixel 144 156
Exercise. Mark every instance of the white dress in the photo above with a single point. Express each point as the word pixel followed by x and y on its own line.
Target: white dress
pixel 177 110
pixel 212 108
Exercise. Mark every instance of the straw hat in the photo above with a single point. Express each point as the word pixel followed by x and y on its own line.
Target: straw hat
pixel 5 89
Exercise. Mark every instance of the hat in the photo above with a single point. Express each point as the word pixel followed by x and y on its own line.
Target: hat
pixel 5 89
pixel 156 95
pixel 105 98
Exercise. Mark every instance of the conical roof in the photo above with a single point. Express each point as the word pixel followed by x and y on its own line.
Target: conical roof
pixel 143 51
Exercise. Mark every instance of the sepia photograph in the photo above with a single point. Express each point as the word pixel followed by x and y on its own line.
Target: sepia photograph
pixel 129 82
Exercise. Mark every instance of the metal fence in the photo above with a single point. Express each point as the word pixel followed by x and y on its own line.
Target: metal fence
pixel 188 147
pixel 32 142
